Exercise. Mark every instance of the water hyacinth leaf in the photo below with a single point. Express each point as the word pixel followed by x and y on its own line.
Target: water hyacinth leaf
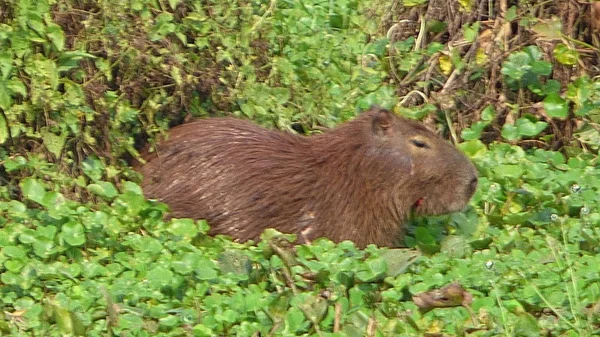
pixel 73 233
pixel 185 228
pixel 234 261
pixel 398 260
pixel 526 325
pixel 14 252
pixel 159 277
pixel 206 270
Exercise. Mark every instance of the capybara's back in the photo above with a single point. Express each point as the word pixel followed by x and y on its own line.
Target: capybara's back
pixel 356 182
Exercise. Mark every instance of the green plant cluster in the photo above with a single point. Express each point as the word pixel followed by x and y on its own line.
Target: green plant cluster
pixel 115 265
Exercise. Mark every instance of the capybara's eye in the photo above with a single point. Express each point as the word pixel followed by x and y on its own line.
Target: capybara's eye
pixel 419 143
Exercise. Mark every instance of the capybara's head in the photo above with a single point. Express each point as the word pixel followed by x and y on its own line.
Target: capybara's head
pixel 435 176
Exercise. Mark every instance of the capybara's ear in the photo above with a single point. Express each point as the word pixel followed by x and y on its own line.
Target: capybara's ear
pixel 381 122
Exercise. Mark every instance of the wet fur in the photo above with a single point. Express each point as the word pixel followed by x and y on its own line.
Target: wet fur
pixel 356 182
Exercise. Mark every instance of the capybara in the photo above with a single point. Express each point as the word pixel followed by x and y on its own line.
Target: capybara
pixel 358 182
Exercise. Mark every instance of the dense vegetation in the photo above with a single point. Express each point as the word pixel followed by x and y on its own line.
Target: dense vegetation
pixel 84 84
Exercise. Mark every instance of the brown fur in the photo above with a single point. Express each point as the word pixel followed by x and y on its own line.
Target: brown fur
pixel 356 182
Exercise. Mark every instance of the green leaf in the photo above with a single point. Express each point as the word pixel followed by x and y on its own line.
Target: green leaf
pixel 35 23
pixel 551 29
pixel 526 326
pixel 73 233
pixel 412 3
pixel 398 260
pixel 159 277
pixel 206 270
pixel 556 106
pixel 6 64
pixel 17 86
pixel 33 190
pixel 104 189
pixel 517 65
pixel 93 168
pixel 173 4
pixel 508 170
pixel 186 228
pixel 565 55
pixel 14 252
pixel 527 128
pixel 5 99
pixel 511 13
pixel 56 35
pixel 471 31
pixel 53 142
pixel 474 131
pixel 510 132
pixel 542 68
pixel 3 129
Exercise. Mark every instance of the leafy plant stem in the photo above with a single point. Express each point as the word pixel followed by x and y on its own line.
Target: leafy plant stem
pixel 573 294
pixel 502 309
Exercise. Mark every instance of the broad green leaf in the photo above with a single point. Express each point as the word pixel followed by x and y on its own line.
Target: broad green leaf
pixel 33 189
pixel 73 233
pixel 551 28
pixel 556 106
pixel 35 22
pixel 517 65
pixel 542 68
pixel 17 86
pixel 528 128
pixel 412 3
pixel 398 260
pixel 510 132
pixel 14 252
pixel 206 270
pixel 3 128
pixel 159 277
pixel 5 99
pixel 56 35
pixel 565 55
pixel 474 131
pixel 104 189
pixel 186 228
pixel 93 168
pixel 508 170
pixel 131 187
pixel 526 326
pixel 53 142
pixel 234 261
pixel 6 64
pixel 173 4
pixel 471 31
pixel 511 13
